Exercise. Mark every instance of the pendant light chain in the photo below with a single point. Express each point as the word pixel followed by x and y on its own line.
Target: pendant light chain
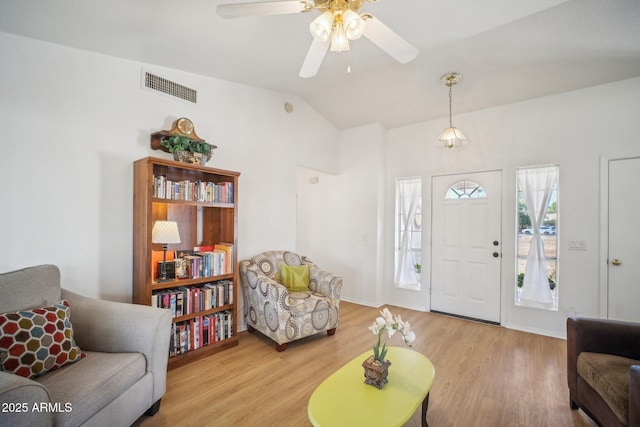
pixel 450 111
pixel 451 137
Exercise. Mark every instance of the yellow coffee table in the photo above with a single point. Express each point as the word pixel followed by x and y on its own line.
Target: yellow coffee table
pixel 344 399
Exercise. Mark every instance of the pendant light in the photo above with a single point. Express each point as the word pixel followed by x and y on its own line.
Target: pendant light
pixel 451 137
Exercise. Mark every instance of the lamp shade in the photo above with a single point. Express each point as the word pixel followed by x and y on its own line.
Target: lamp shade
pixel 353 24
pixel 165 232
pixel 339 41
pixel 451 138
pixel 320 28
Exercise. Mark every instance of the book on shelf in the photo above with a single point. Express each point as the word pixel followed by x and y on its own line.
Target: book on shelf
pixel 156 260
pixel 181 253
pixel 185 300
pixel 169 269
pixel 207 248
pixel 200 331
pixel 227 248
pixel 179 303
pixel 180 338
pixel 205 331
pixel 195 191
pixel 202 261
pixel 194 334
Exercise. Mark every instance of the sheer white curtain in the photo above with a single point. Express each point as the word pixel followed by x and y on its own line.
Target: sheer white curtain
pixel 409 193
pixel 537 185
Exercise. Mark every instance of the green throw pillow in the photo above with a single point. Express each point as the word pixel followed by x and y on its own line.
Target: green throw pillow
pixel 295 278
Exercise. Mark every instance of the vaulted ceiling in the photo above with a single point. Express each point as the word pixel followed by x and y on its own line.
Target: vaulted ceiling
pixel 507 50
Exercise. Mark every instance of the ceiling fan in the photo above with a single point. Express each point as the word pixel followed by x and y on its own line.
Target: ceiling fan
pixel 338 23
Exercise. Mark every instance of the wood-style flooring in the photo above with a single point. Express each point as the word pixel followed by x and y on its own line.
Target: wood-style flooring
pixel 485 376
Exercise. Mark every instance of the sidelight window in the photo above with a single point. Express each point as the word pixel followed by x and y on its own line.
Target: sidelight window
pixel 537 241
pixel 408 233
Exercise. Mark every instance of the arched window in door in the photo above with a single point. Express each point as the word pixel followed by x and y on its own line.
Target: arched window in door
pixel 465 189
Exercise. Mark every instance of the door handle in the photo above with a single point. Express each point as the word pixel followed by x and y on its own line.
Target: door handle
pixel 616 261
pixel 496 254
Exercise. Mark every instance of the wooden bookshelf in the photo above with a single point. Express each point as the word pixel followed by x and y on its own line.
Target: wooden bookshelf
pixel 200 223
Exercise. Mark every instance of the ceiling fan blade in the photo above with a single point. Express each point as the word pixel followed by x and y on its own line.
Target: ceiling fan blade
pixel 243 10
pixel 389 41
pixel 314 58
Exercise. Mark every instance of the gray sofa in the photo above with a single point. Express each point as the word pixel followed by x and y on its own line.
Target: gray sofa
pixel 122 376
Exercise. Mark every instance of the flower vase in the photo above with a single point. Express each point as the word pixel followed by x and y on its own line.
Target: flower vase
pixel 375 372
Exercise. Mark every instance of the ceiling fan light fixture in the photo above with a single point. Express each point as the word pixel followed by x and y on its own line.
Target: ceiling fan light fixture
pixel 452 137
pixel 339 21
pixel 339 41
pixel 320 28
pixel 353 24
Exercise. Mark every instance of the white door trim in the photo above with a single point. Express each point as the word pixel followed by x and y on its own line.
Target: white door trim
pixel 603 283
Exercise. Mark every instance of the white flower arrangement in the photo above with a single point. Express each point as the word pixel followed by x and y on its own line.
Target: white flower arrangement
pixel 390 323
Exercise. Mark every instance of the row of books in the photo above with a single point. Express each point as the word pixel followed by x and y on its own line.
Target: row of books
pixel 195 191
pixel 214 262
pixel 187 300
pixel 199 332
pixel 202 261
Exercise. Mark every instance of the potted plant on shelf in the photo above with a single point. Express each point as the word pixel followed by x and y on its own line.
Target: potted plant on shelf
pixel 185 149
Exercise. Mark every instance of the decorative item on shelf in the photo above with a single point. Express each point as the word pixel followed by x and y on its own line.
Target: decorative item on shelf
pixel 376 367
pixel 165 232
pixel 181 140
pixel 187 150
pixel 452 137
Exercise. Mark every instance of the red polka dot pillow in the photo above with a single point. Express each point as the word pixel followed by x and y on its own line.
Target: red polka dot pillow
pixel 33 342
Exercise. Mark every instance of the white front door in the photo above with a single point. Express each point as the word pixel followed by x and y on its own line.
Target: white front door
pixel 623 299
pixel 466 245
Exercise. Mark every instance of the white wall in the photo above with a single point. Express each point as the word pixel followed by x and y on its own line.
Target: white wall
pixel 340 218
pixel 572 129
pixel 73 124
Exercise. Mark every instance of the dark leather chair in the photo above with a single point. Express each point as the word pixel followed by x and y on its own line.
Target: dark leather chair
pixel 603 372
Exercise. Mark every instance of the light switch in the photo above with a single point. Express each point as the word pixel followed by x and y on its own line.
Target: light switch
pixel 577 245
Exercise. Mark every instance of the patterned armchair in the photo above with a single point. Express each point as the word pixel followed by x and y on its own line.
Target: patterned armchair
pixel 284 315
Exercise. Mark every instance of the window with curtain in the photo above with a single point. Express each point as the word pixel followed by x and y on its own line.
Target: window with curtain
pixel 408 233
pixel 537 241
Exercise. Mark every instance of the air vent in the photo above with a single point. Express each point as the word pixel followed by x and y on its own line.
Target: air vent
pixel 160 84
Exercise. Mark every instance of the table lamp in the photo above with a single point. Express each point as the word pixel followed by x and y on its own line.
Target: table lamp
pixel 165 232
